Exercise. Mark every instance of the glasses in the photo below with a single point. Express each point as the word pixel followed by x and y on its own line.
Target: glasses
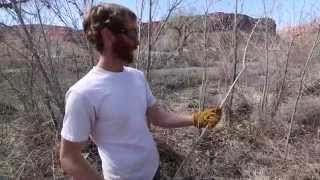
pixel 117 28
pixel 130 33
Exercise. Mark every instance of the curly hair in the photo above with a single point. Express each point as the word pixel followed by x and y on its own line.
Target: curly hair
pixel 113 16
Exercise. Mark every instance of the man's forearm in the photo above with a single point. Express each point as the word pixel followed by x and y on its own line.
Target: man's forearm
pixel 160 117
pixel 173 120
pixel 163 118
pixel 79 169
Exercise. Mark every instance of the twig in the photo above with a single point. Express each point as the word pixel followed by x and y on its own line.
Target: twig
pixel 204 63
pixel 244 57
pixel 284 78
pixel 205 66
pixel 170 11
pixel 300 89
pixel 222 102
pixel 21 168
pixel 235 58
pixel 10 5
pixel 149 42
pixel 264 100
pixel 139 33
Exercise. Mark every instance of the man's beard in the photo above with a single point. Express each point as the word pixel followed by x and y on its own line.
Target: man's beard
pixel 123 51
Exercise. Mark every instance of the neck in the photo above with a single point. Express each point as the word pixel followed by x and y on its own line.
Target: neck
pixel 109 63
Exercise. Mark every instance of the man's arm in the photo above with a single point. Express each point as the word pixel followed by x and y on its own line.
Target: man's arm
pixel 74 164
pixel 160 117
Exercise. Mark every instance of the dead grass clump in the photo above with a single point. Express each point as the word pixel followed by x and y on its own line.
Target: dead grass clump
pixel 7 109
pixel 1 79
pixel 168 42
pixel 165 60
pixel 227 154
pixel 170 159
pixel 168 80
pixel 242 107
pixel 31 142
pixel 313 89
pixel 307 115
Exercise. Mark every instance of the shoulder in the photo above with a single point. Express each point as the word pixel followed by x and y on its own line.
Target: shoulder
pixel 84 84
pixel 135 71
pixel 82 87
pixel 75 95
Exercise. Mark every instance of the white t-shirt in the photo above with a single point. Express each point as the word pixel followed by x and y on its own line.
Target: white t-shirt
pixel 110 107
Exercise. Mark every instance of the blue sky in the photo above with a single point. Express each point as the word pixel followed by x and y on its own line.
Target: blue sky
pixel 285 12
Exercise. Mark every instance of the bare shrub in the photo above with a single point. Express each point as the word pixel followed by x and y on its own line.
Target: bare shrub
pixel 167 42
pixel 169 80
pixel 307 115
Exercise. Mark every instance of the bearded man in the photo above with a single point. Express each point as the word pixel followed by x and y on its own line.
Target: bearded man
pixel 113 103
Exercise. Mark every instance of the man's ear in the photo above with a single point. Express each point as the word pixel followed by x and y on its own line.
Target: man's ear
pixel 106 34
pixel 107 37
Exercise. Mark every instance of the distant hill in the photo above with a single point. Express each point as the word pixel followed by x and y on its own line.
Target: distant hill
pixel 220 21
pixel 217 22
pixel 61 33
pixel 310 27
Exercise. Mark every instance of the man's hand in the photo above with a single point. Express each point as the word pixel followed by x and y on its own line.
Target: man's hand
pixel 210 116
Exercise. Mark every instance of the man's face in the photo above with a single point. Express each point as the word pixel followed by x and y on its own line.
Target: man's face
pixel 125 43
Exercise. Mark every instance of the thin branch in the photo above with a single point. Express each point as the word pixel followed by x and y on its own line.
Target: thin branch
pixel 57 11
pixel 204 81
pixel 282 86
pixel 193 146
pixel 49 54
pixel 170 11
pixel 16 50
pixel 149 41
pixel 76 5
pixel 57 95
pixel 3 25
pixel 284 78
pixel 140 31
pixel 10 5
pixel 235 56
pixel 303 73
pixel 266 82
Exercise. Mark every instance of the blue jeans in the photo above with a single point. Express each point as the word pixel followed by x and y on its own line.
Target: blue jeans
pixel 157 175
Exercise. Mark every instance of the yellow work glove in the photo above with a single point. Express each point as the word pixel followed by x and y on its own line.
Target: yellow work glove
pixel 210 116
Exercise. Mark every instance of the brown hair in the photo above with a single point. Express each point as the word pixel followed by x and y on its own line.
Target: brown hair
pixel 113 16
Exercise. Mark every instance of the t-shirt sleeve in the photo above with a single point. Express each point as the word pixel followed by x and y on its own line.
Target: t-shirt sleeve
pixel 151 100
pixel 78 118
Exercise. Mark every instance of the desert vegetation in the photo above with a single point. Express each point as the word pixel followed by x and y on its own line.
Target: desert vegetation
pixel 265 79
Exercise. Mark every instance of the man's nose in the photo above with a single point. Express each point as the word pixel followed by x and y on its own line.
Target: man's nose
pixel 136 44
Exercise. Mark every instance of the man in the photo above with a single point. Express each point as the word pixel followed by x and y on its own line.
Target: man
pixel 112 104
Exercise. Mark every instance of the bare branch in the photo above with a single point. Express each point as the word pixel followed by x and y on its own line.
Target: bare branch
pixel 303 73
pixel 170 11
pixel 264 100
pixel 204 82
pixel 77 6
pixel 284 78
pixel 57 94
pixel 149 42
pixel 139 35
pixel 235 59
pixel 163 23
pixel 10 4
pixel 222 102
